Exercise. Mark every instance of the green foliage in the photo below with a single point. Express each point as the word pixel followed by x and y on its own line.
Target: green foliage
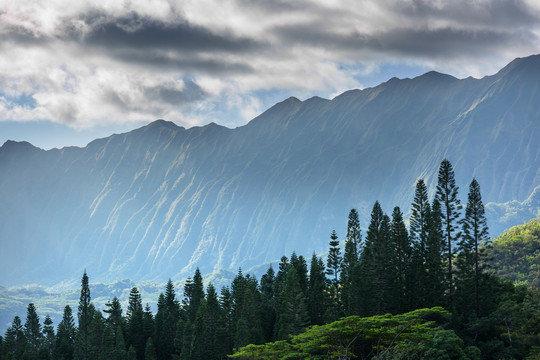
pixel 516 253
pixel 375 336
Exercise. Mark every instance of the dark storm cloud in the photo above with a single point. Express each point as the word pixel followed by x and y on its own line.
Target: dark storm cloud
pixel 496 13
pixel 450 41
pixel 409 41
pixel 277 6
pixel 21 35
pixel 189 94
pixel 166 60
pixel 138 32
pixel 163 94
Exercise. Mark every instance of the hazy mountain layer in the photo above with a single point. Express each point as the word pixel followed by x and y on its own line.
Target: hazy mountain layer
pixel 160 200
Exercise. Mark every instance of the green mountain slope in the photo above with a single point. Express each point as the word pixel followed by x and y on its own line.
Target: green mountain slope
pixel 516 253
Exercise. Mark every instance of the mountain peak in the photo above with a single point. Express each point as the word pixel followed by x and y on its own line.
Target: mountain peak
pixel 529 63
pixel 435 76
pixel 162 123
pixel 315 99
pixel 291 100
pixel 11 145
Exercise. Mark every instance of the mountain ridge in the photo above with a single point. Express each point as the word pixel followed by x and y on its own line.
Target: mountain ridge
pixel 160 200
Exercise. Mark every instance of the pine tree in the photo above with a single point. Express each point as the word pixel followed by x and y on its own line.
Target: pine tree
pixel 115 318
pixel 65 336
pixel 450 207
pixel 226 305
pixel 281 276
pixel 268 304
pixel 15 341
pixel 250 315
pixel 85 313
pixel 333 269
pixel 135 338
pixel 375 262
pixel 293 314
pixel 159 322
pixel 383 261
pixel 333 264
pixel 120 351
pixel 419 232
pixel 300 265
pixel 435 254
pixel 148 323
pixel 420 214
pixel 354 235
pixel 317 296
pixel 32 330
pixel 131 353
pixel 475 230
pixel 212 326
pixel 350 260
pixel 401 249
pixel 166 321
pixel 95 338
pixel 200 343
pixel 49 336
pixel 108 342
pixel 150 351
pixel 193 295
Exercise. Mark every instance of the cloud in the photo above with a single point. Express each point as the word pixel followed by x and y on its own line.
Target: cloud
pixel 144 33
pixel 91 63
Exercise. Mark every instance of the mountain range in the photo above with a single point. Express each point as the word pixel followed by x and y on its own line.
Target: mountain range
pixel 161 200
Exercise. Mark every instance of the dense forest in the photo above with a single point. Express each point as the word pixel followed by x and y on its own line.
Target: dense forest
pixel 515 254
pixel 422 292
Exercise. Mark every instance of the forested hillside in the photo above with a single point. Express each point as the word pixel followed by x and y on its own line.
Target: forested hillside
pixel 516 253
pixel 422 292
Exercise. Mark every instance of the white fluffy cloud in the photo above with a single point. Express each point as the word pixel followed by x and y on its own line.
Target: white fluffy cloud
pixel 89 63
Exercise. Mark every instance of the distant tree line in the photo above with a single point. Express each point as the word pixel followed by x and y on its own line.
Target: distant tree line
pixel 439 261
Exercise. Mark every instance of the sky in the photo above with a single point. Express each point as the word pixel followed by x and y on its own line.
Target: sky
pixel 73 71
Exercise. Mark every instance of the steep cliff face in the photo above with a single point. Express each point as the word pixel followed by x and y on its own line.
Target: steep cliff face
pixel 160 200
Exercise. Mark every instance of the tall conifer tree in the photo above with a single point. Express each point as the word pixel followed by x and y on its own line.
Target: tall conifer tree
pixel 49 336
pixel 333 269
pixel 32 329
pixel 450 211
pixel 374 264
pixel 475 231
pixel 114 312
pixel 135 328
pixel 419 232
pixel 401 249
pixel 268 303
pixel 350 261
pixel 65 336
pixel 169 320
pixel 434 258
pixel 293 314
pixel 85 313
pixel 317 295
pixel 15 341
pixel 299 263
